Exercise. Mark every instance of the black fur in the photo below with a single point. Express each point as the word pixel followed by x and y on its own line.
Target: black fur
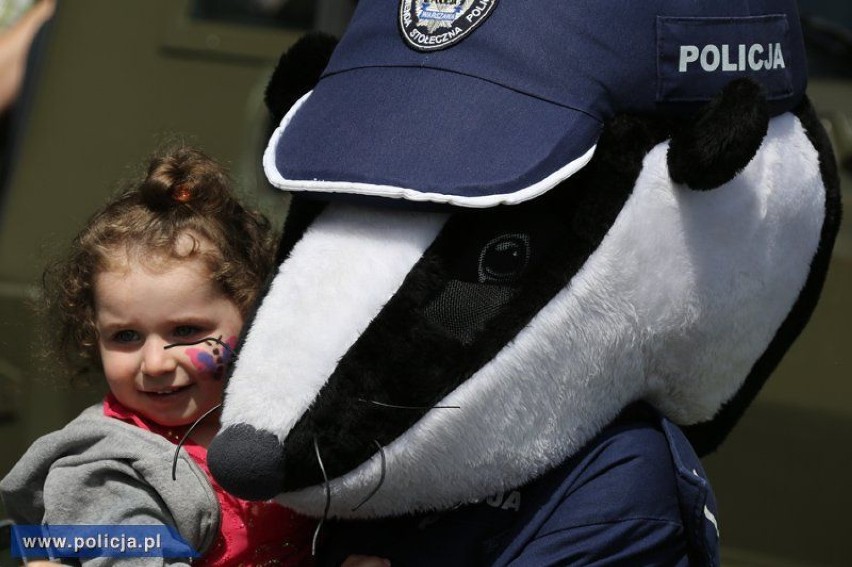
pixel 428 360
pixel 297 72
pixel 713 147
pixel 300 214
pixel 706 437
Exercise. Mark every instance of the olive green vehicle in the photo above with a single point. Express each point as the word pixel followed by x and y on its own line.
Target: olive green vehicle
pixel 108 81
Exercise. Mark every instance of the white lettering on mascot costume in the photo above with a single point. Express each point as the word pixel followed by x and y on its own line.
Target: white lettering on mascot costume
pixel 512 222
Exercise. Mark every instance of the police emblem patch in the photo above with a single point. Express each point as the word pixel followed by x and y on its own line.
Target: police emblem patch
pixel 428 25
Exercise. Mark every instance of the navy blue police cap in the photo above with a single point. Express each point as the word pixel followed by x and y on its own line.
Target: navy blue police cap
pixel 479 103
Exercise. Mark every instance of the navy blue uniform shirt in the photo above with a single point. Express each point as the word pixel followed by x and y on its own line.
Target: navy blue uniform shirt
pixel 635 495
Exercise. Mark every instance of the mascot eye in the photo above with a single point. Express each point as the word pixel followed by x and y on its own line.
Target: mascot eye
pixel 504 258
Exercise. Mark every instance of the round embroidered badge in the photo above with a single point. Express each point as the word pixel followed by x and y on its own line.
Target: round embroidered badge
pixel 428 25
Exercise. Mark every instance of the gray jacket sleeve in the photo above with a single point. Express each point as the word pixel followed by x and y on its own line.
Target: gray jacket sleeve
pixel 121 494
pixel 100 471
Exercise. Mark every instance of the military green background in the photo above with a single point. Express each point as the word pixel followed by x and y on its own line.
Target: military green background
pixel 120 77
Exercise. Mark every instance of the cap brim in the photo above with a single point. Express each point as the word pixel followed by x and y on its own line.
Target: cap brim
pixel 427 135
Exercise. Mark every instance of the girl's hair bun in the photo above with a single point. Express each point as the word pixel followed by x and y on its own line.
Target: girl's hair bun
pixel 184 176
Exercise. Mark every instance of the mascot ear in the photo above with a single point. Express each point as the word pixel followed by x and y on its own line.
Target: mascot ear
pixel 714 147
pixel 297 72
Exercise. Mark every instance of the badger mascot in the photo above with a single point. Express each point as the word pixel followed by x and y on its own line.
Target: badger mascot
pixel 533 247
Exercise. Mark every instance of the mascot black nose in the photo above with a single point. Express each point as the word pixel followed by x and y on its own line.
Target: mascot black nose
pixel 246 462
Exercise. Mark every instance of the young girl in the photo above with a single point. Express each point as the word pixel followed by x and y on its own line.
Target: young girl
pixel 155 291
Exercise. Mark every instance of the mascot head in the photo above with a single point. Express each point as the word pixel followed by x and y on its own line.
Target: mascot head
pixel 510 220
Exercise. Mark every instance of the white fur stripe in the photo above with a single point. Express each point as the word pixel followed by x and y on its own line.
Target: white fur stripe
pixel 348 264
pixel 393 192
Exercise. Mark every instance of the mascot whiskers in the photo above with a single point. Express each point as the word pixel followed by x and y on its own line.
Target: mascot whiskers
pixel 528 243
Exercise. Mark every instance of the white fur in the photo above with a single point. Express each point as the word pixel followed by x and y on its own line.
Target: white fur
pixel 337 278
pixel 323 186
pixel 681 298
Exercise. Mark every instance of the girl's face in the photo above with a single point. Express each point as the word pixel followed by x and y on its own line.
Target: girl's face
pixel 142 307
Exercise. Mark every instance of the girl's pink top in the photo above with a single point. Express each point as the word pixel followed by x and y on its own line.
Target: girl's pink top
pixel 250 533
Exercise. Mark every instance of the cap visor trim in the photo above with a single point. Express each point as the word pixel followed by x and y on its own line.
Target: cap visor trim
pixel 393 192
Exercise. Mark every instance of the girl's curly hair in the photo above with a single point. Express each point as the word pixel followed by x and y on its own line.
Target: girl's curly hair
pixel 185 193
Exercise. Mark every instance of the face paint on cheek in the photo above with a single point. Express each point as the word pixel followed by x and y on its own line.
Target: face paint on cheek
pixel 214 359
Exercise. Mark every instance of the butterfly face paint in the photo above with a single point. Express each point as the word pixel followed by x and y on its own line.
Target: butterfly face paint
pixel 214 357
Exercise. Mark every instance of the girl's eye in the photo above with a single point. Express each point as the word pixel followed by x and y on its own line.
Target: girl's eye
pixel 125 336
pixel 185 331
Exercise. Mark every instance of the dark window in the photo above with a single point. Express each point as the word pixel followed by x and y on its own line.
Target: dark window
pixel 270 13
pixel 827 27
